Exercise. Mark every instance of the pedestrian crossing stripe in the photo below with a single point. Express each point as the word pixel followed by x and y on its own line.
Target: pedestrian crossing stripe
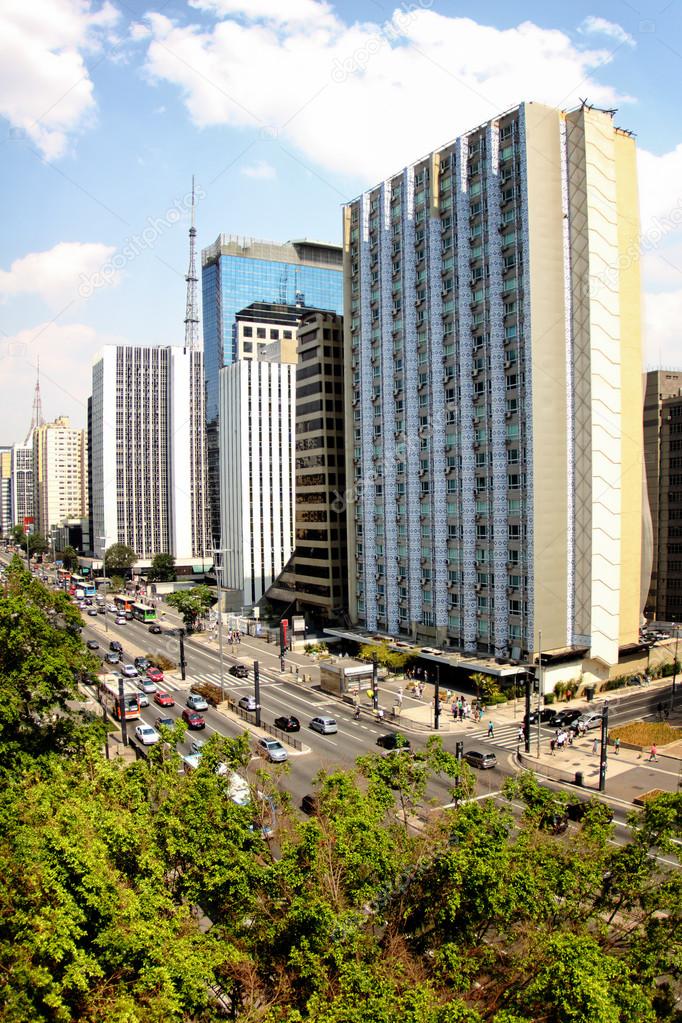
pixel 505 736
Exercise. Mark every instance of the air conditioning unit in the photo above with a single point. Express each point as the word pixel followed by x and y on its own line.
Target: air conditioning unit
pixel 425 581
pixel 478 587
pixel 507 364
pixel 508 414
pixel 510 590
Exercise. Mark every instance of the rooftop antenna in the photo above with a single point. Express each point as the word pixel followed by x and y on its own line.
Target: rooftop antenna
pixel 191 308
pixel 37 414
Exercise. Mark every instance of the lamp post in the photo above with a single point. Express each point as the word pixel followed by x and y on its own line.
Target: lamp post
pixel 105 584
pixel 218 578
pixel 672 694
pixel 602 751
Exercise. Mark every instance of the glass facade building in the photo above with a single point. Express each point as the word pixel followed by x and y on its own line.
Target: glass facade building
pixel 237 272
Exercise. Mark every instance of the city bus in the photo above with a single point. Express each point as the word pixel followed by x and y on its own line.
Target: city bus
pixel 144 613
pixel 123 603
pixel 64 577
pixel 108 697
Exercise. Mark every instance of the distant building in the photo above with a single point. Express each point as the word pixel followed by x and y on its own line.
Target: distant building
pixel 237 272
pixel 314 581
pixel 6 516
pixel 663 460
pixel 261 323
pixel 257 408
pixel 147 454
pixel 22 482
pixel 59 474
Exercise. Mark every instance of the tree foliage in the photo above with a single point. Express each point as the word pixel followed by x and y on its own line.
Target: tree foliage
pixel 69 558
pixel 162 569
pixel 119 558
pixel 192 604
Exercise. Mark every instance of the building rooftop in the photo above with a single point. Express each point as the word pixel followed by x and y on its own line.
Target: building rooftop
pixel 304 251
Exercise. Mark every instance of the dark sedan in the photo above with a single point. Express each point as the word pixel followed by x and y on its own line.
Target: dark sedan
pixel 393 741
pixel 288 724
pixel 566 717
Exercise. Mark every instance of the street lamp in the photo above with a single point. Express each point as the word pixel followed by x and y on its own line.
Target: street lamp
pixel 672 694
pixel 105 584
pixel 218 574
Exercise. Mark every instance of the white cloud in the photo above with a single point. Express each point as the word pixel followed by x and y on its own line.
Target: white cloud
pixel 58 275
pixel 66 352
pixel 279 11
pixel 137 31
pixel 364 98
pixel 662 317
pixel 261 170
pixel 46 92
pixel 593 25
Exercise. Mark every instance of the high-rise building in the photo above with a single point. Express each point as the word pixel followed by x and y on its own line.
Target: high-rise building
pixel 315 578
pixel 22 482
pixel 59 474
pixel 257 408
pixel 260 324
pixel 494 389
pixel 663 459
pixel 6 517
pixel 147 453
pixel 237 272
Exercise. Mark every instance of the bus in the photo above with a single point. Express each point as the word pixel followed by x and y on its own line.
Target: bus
pixel 144 613
pixel 123 602
pixel 64 577
pixel 82 587
pixel 109 698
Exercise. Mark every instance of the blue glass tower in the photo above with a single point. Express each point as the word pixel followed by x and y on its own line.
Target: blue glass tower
pixel 236 272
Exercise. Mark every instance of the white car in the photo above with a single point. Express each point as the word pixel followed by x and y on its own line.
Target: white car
pixel 112 608
pixel 147 735
pixel 324 725
pixel 129 670
pixel 196 702
pixel 120 620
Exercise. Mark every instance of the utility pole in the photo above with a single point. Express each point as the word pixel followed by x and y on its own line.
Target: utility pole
pixel 256 690
pixel 436 701
pixel 526 719
pixel 375 681
pixel 540 688
pixel 183 663
pixel 672 693
pixel 122 711
pixel 218 579
pixel 602 752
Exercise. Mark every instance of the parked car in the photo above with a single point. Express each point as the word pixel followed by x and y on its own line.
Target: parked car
pixel 547 714
pixel 147 735
pixel 164 699
pixel 393 741
pixel 154 673
pixel 129 670
pixel 115 645
pixel 142 663
pixel 145 685
pixel 565 717
pixel 197 702
pixel 156 629
pixel 92 644
pixel 164 722
pixel 192 719
pixel 482 761
pixel 272 750
pixel 310 805
pixel 324 725
pixel 288 724
pixel 248 703
pixel 239 671
pixel 112 657
pixel 592 719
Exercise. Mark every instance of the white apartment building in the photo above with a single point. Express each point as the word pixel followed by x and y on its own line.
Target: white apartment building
pixel 22 482
pixel 6 517
pixel 148 455
pixel 494 391
pixel 257 425
pixel 60 482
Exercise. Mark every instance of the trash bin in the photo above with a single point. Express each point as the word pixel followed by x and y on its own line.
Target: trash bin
pixel 579 779
pixel 589 693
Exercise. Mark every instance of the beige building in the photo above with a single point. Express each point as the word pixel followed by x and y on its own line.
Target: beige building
pixel 263 324
pixel 59 474
pixel 493 368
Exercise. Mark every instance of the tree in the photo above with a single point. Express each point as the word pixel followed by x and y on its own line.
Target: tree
pixel 18 536
pixel 37 543
pixel 69 558
pixel 162 569
pixel 192 604
pixel 119 558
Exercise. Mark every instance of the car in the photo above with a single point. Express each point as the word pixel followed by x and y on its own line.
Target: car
pixel 156 629
pixel 393 741
pixel 115 645
pixel 113 657
pixel 546 714
pixel 324 725
pixel 154 673
pixel 197 746
pixel 164 699
pixel 145 685
pixel 101 610
pixel 483 761
pixel 142 663
pixel 143 699
pixel 592 719
pixel 164 722
pixel 112 608
pixel 129 670
pixel 248 703
pixel 239 671
pixel 120 620
pixel 288 724
pixel 92 644
pixel 92 613
pixel 565 717
pixel 128 616
pixel 554 821
pixel 197 702
pixel 147 735
pixel 272 750
pixel 310 805
pixel 192 719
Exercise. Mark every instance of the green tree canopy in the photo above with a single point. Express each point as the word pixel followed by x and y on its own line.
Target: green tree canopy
pixel 119 558
pixel 162 569
pixel 69 557
pixel 192 604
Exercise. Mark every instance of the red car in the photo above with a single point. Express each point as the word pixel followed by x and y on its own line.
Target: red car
pixel 192 719
pixel 155 674
pixel 164 699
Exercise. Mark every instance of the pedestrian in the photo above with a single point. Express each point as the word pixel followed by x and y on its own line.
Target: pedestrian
pixel 653 753
pixel 380 713
pixel 616 746
pixel 666 713
pixel 594 747
pixel 399 697
pixel 454 711
pixel 552 745
pixel 491 730
pixel 520 736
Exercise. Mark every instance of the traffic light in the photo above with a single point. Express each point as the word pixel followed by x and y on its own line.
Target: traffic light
pixel 459 749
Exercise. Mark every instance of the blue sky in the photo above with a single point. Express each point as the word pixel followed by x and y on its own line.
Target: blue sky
pixel 283 109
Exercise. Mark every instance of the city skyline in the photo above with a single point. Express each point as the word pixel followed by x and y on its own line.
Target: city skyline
pixel 100 152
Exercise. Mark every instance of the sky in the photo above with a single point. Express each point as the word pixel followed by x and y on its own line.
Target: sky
pixel 284 110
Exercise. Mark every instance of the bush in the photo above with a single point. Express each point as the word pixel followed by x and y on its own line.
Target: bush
pixel 549 698
pixel 497 697
pixel 616 683
pixel 644 733
pixel 162 662
pixel 672 668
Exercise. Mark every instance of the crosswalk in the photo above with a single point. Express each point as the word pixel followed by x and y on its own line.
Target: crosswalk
pixel 504 736
pixel 229 681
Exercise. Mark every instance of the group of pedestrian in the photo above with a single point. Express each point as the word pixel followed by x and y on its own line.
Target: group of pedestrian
pixel 560 739
pixel 461 709
pixel 234 636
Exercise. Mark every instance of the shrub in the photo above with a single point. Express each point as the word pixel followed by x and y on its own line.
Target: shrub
pixel 549 698
pixel 644 733
pixel 616 683
pixel 497 697
pixel 162 662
